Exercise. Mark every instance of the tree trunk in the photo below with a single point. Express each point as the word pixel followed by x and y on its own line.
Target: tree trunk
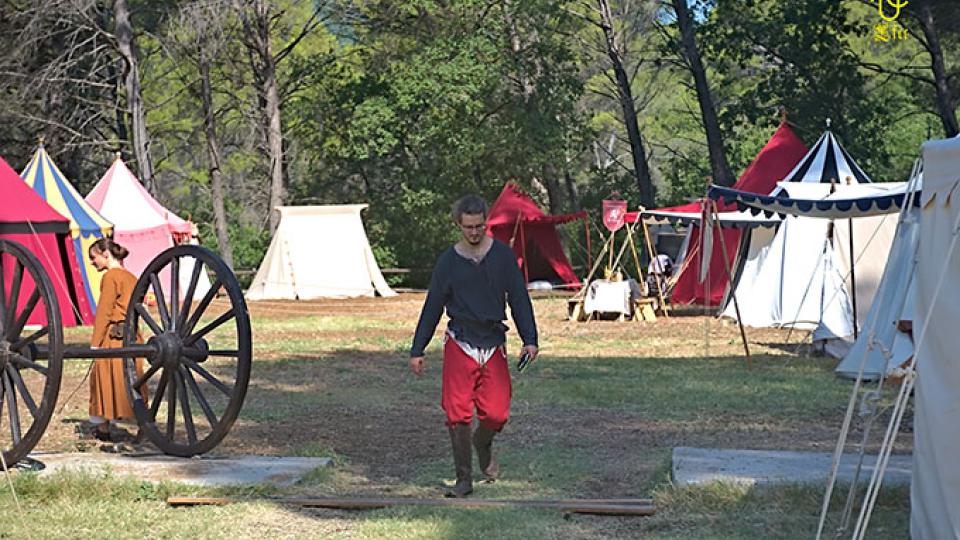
pixel 946 104
pixel 138 125
pixel 718 158
pixel 274 142
pixel 213 150
pixel 554 193
pixel 258 41
pixel 573 193
pixel 640 169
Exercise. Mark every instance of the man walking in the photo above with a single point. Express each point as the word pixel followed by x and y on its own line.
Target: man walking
pixel 473 280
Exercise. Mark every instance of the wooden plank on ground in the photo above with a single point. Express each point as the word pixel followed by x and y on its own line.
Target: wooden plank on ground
pixel 621 507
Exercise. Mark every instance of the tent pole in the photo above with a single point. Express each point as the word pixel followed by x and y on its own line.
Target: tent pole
pixel 646 237
pixel 523 251
pixel 653 256
pixel 586 232
pixel 853 280
pixel 612 246
pixel 513 237
pixel 733 294
pixel 582 293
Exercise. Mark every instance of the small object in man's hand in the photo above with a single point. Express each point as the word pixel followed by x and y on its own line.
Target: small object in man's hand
pixel 524 361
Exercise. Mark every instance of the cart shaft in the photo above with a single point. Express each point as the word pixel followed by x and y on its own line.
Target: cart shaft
pixel 131 351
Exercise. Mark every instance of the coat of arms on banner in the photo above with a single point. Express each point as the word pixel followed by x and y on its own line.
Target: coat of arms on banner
pixel 614 213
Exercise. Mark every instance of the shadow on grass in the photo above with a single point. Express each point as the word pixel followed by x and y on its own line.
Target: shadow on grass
pixel 603 414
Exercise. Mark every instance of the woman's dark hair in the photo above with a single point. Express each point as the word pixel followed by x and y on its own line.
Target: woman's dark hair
pixel 469 204
pixel 107 245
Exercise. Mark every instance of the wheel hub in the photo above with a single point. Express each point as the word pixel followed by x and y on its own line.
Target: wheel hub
pixel 169 346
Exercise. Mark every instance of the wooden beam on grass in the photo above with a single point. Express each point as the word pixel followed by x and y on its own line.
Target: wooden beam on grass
pixel 611 507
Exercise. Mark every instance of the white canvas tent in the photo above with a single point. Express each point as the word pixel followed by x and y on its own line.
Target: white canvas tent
pixel 800 276
pixel 935 486
pixel 319 251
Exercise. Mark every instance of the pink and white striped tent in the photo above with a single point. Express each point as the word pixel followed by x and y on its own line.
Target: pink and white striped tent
pixel 140 222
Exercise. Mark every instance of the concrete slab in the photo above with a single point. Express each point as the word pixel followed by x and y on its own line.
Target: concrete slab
pixel 201 470
pixel 693 466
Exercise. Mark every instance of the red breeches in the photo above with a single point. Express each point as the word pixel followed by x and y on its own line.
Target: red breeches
pixel 468 385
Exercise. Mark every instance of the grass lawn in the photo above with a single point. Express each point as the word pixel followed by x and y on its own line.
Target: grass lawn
pixel 596 416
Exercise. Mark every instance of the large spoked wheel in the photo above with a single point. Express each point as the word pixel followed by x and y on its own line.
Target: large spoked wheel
pixel 188 395
pixel 29 322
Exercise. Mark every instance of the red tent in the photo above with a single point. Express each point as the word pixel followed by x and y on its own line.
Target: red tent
pixel 516 220
pixel 27 219
pixel 781 153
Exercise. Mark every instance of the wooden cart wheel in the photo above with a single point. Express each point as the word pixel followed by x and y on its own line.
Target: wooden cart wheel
pixel 28 385
pixel 187 396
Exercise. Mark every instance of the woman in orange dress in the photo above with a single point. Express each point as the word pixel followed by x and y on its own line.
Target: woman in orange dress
pixel 108 393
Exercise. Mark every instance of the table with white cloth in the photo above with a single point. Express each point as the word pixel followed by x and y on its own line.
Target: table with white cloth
pixel 611 297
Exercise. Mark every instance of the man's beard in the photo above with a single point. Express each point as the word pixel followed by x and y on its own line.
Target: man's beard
pixel 473 242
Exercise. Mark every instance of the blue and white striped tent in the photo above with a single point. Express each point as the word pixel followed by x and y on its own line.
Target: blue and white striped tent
pixel 825 163
pixel 800 276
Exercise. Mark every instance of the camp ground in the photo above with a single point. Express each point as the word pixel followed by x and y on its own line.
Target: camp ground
pixel 443 270
pixel 292 292
pixel 293 271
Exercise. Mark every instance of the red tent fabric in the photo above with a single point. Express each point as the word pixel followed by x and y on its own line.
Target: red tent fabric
pixel 781 153
pixel 516 220
pixel 27 219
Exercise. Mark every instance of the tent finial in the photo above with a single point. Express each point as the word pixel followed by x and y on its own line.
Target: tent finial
pixel 828 122
pixel 117 154
pixel 40 141
pixel 783 114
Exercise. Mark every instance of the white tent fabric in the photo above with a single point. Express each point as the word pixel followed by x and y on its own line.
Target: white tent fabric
pixel 319 251
pixel 881 346
pixel 935 487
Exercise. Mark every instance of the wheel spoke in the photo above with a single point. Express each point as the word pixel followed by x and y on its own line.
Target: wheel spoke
pixel 21 321
pixel 174 293
pixel 3 296
pixel 24 341
pixel 147 318
pixel 191 339
pixel 185 407
pixel 146 375
pixel 204 404
pixel 206 375
pixel 196 354
pixel 158 397
pixel 161 300
pixel 26 362
pixel 12 410
pixel 14 297
pixel 207 298
pixel 171 404
pixel 191 289
pixel 22 388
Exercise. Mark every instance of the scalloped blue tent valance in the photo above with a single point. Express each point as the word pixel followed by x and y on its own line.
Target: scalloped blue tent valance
pixel 837 205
